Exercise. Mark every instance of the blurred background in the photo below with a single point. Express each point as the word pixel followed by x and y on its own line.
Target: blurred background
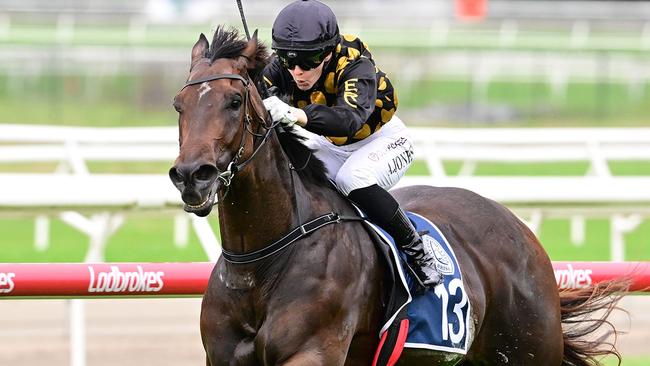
pixel 455 64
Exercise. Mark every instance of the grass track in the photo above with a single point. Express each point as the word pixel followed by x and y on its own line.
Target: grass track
pixel 631 361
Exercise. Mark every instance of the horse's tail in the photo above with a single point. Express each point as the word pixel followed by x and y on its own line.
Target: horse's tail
pixel 577 309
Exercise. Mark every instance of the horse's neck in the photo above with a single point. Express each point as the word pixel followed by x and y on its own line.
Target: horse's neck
pixel 265 202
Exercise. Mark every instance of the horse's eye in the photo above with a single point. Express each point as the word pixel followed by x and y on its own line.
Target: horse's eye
pixel 235 103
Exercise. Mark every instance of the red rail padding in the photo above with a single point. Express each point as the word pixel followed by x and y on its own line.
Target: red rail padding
pixel 191 279
pixel 583 274
pixel 104 279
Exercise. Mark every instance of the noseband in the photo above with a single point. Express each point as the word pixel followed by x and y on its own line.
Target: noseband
pixel 227 175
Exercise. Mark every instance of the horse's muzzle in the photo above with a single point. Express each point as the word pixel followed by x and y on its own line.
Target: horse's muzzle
pixel 198 185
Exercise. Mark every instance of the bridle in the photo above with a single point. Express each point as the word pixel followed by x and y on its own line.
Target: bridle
pixel 234 166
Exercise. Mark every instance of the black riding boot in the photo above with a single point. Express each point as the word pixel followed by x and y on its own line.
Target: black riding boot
pixel 422 262
pixel 384 210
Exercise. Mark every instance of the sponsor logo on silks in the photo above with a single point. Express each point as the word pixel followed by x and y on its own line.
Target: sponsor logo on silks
pixel 397 143
pixel 119 281
pixel 400 162
pixel 444 264
pixel 377 155
pixel 7 282
pixel 573 278
pixel 351 93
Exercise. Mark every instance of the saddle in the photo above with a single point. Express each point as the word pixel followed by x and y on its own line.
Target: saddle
pixel 436 320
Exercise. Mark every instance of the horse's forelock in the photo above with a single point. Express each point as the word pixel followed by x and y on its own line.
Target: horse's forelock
pixel 228 43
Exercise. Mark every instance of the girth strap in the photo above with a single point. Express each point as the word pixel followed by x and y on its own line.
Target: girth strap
pixel 295 234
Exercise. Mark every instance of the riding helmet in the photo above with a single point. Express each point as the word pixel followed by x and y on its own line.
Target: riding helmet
pixel 305 25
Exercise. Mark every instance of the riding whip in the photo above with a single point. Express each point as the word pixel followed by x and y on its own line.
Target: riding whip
pixel 261 85
pixel 243 19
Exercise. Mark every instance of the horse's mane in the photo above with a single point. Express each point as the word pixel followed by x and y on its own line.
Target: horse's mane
pixel 227 43
pixel 309 167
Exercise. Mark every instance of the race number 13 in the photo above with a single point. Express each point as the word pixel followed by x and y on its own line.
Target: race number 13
pixel 448 332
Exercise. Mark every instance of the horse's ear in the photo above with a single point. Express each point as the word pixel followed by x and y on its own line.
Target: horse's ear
pixel 251 50
pixel 199 49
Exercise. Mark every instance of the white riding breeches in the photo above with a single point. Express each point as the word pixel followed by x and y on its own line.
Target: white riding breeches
pixel 381 158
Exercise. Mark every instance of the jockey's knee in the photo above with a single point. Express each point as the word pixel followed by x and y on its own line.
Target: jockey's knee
pixel 349 180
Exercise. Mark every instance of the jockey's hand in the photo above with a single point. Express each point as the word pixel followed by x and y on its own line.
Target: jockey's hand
pixel 284 113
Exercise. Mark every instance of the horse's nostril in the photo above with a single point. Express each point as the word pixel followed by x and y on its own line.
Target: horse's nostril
pixel 175 176
pixel 206 172
pixel 193 174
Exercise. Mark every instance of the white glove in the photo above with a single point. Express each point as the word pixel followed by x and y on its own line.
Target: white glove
pixel 280 111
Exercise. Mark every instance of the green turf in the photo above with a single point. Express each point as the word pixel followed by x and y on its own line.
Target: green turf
pixel 16 245
pixel 69 111
pixel 140 239
pixel 555 237
pixel 93 167
pixel 637 243
pixel 129 167
pixel 577 168
pixel 151 240
pixel 630 168
pixel 628 361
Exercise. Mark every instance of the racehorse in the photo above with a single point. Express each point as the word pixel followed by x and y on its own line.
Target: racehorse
pixel 314 297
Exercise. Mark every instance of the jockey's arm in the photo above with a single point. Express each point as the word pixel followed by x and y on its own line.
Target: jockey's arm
pixel 356 94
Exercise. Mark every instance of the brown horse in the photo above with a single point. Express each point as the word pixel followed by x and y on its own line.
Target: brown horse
pixel 314 299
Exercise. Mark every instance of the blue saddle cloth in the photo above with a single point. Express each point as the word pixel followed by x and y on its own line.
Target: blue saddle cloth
pixel 438 319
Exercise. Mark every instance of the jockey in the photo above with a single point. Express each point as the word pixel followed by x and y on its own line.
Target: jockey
pixel 347 105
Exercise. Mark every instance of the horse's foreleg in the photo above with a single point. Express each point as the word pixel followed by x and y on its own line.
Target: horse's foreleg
pixel 305 358
pixel 323 349
pixel 312 358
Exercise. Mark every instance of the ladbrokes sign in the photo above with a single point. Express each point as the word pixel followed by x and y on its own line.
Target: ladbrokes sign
pixel 116 280
pixel 573 278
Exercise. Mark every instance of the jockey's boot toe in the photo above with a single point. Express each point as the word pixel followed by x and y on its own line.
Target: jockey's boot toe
pixel 428 274
pixel 424 278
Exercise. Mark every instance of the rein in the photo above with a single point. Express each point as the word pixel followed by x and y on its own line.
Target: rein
pixel 293 236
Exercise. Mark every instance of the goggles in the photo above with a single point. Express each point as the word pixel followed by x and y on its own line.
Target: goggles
pixel 306 60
